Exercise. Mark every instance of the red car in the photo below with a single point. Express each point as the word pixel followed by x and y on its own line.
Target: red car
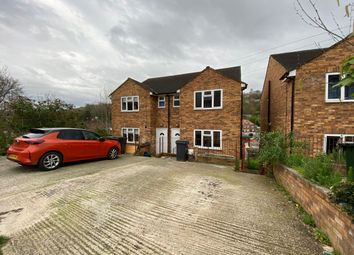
pixel 50 147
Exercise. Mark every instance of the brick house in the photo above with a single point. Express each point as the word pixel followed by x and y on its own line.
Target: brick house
pixel 201 107
pixel 299 96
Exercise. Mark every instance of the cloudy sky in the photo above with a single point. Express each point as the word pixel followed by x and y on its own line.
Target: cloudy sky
pixel 77 50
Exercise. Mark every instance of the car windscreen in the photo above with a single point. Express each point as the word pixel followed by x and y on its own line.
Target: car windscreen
pixel 34 133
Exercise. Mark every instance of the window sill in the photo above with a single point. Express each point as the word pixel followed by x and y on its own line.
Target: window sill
pixel 339 101
pixel 209 148
pixel 206 109
pixel 131 111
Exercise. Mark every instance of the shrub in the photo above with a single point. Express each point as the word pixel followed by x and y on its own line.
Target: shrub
pixel 320 170
pixel 237 165
pixel 343 194
pixel 253 164
pixel 296 160
pixel 3 241
pixel 273 148
pixel 350 175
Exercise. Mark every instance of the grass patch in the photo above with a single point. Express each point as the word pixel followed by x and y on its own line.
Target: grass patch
pixel 322 237
pixel 307 219
pixel 253 164
pixel 3 241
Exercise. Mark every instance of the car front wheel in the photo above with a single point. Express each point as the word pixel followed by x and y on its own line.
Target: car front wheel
pixel 50 161
pixel 113 153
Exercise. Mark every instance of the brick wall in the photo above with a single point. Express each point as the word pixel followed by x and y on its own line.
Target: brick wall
pixel 184 117
pixel 314 199
pixel 141 119
pixel 226 119
pixel 313 116
pixel 280 98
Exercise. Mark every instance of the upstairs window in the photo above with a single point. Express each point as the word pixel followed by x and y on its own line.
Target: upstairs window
pixel 209 139
pixel 176 101
pixel 336 93
pixel 208 99
pixel 130 104
pixel 161 102
pixel 132 134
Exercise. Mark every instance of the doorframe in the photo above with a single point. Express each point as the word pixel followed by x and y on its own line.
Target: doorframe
pixel 171 138
pixel 157 149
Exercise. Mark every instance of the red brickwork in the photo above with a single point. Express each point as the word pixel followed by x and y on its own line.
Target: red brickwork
pixel 226 119
pixel 327 215
pixel 142 119
pixel 313 116
pixel 280 100
pixel 185 117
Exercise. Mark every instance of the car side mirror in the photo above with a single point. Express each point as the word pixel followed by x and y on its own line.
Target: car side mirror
pixel 101 139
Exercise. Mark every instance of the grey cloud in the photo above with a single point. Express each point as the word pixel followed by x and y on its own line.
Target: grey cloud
pixel 76 48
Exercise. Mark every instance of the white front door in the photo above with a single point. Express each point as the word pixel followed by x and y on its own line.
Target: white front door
pixel 175 135
pixel 161 140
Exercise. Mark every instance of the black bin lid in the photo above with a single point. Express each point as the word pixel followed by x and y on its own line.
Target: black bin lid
pixel 182 142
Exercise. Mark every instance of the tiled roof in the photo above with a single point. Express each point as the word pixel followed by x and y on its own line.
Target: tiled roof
pixel 170 84
pixel 292 60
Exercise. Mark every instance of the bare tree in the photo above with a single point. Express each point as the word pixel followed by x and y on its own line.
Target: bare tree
pixel 9 87
pixel 311 16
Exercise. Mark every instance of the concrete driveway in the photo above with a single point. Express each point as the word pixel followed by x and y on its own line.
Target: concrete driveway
pixel 137 205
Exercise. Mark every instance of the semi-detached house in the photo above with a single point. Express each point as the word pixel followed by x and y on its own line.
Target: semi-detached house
pixel 300 96
pixel 203 108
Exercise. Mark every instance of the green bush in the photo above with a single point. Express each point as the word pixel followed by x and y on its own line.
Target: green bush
pixel 350 175
pixel 253 164
pixel 296 160
pixel 273 148
pixel 3 241
pixel 320 170
pixel 343 194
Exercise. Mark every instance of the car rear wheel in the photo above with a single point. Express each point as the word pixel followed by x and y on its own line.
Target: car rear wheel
pixel 50 161
pixel 113 153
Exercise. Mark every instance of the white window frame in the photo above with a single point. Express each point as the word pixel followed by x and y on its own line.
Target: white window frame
pixel 133 130
pixel 132 100
pixel 175 100
pixel 343 136
pixel 212 99
pixel 159 100
pixel 342 92
pixel 212 139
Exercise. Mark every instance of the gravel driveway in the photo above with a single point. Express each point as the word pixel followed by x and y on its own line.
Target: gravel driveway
pixel 137 205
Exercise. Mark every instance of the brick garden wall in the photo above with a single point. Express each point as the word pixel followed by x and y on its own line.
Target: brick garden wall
pixel 314 199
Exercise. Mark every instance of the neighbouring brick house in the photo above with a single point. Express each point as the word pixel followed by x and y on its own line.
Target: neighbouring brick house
pixel 249 127
pixel 202 107
pixel 299 96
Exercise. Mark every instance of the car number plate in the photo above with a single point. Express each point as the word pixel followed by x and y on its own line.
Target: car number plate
pixel 12 156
